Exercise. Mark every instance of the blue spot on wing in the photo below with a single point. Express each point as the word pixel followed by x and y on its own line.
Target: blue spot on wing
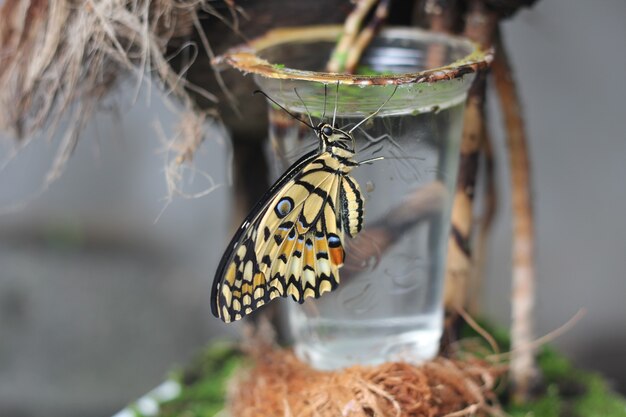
pixel 283 207
pixel 334 241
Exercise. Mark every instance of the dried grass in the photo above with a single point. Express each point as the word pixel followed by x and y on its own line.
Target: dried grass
pixel 464 383
pixel 279 385
pixel 59 58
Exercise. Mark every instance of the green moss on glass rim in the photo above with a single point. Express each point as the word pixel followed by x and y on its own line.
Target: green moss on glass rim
pixel 247 59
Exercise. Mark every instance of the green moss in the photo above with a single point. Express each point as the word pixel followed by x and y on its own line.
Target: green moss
pixel 500 335
pixel 549 405
pixel 567 391
pixel 599 400
pixel 204 383
pixel 554 366
pixel 367 70
pixel 570 392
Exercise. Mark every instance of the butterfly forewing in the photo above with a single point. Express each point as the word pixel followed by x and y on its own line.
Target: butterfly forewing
pixel 292 245
pixel 228 279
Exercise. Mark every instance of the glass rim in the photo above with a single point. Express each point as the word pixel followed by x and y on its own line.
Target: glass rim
pixel 245 58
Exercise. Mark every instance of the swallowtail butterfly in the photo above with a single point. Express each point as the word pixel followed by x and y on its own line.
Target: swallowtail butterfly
pixel 292 242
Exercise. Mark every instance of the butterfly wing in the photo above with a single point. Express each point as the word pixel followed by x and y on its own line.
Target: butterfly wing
pixel 242 243
pixel 305 263
pixel 291 243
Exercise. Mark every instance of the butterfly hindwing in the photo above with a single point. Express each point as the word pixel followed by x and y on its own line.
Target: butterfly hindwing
pixel 292 244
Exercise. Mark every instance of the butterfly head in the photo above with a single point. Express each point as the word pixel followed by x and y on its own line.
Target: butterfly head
pixel 332 137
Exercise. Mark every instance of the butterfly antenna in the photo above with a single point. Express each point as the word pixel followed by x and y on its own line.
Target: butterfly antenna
pixel 284 109
pixel 325 97
pixel 336 100
pixel 308 113
pixel 375 113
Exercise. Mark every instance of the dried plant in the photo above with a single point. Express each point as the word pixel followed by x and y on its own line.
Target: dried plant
pixel 280 385
pixel 60 58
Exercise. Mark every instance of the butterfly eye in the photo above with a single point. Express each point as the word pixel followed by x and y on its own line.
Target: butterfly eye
pixel 327 131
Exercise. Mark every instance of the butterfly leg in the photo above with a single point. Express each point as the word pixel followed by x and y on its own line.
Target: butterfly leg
pixel 369 161
pixel 377 140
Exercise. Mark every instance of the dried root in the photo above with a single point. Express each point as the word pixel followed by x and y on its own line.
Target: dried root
pixel 280 385
pixel 60 58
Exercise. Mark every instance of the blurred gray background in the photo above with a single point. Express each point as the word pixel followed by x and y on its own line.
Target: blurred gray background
pixel 98 301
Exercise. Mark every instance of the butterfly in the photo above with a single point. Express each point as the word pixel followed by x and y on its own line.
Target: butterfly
pixel 292 242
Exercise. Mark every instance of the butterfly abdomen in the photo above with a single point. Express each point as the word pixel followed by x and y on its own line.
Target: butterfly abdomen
pixel 352 206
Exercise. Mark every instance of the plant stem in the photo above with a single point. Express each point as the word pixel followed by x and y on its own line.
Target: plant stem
pixel 523 367
pixel 480 28
pixel 354 21
pixel 366 36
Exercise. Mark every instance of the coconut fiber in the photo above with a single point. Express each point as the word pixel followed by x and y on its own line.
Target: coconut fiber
pixel 279 384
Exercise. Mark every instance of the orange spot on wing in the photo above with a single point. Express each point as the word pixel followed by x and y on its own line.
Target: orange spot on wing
pixel 336 256
pixel 287 248
pixel 320 245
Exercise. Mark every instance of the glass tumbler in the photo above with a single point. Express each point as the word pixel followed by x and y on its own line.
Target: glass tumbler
pixel 408 105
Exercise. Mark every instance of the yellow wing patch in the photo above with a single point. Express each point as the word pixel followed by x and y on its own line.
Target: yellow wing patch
pixel 292 247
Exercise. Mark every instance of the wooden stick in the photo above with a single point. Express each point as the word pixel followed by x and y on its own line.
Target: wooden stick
pixel 480 28
pixel 522 367
pixel 459 246
pixel 366 36
pixel 479 257
pixel 441 15
pixel 351 30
